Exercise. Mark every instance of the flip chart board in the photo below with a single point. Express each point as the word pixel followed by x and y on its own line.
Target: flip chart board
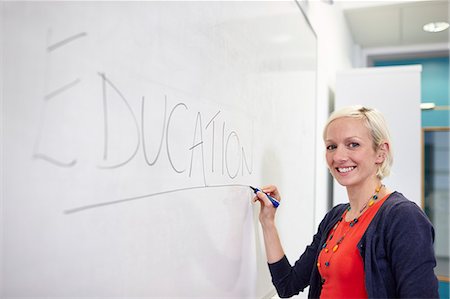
pixel 130 132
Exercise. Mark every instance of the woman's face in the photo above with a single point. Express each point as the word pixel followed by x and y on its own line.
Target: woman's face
pixel 350 155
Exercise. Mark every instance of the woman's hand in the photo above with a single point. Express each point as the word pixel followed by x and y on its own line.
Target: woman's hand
pixel 267 211
pixel 274 250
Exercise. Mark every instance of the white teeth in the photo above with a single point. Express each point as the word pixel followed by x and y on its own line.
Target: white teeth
pixel 346 169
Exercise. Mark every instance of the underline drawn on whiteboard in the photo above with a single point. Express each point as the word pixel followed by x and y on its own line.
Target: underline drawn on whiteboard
pixel 106 81
pixel 62 89
pixel 213 138
pixel 49 95
pixel 167 136
pixel 143 132
pixel 128 199
pixel 66 41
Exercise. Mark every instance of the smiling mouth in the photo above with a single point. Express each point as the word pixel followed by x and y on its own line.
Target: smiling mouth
pixel 345 169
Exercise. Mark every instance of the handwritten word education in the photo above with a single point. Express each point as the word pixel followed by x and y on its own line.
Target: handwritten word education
pixel 175 136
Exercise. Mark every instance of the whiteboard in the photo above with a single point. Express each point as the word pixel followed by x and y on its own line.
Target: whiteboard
pixel 130 132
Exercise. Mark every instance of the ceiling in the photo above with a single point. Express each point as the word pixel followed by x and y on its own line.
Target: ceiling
pixel 395 23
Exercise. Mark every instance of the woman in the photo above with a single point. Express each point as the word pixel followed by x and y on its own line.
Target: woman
pixel 379 245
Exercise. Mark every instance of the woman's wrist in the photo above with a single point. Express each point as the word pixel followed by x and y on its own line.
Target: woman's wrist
pixel 268 224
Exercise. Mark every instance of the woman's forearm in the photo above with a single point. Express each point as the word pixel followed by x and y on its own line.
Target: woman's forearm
pixel 274 250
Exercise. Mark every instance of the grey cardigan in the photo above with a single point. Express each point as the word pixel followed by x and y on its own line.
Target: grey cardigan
pixel 397 250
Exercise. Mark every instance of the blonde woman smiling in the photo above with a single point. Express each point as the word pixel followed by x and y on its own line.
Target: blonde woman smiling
pixel 378 245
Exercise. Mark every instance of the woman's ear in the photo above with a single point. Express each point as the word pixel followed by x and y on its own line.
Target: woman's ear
pixel 383 150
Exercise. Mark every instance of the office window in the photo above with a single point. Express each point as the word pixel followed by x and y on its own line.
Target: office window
pixel 436 158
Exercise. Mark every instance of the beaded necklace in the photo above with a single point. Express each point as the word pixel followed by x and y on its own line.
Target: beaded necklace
pixel 368 204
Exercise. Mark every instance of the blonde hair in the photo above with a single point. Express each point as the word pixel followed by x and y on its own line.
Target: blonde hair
pixel 377 126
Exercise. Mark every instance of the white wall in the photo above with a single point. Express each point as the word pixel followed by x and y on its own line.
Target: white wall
pixel 335 52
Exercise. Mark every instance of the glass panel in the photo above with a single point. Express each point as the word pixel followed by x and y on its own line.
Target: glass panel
pixel 436 191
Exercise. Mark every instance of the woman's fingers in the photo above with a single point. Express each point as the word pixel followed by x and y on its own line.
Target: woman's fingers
pixel 261 197
pixel 272 190
pixel 265 199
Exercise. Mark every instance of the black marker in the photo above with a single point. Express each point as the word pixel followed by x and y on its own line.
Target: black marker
pixel 275 202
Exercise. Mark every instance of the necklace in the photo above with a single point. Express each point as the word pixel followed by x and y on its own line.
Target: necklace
pixel 335 248
pixel 369 202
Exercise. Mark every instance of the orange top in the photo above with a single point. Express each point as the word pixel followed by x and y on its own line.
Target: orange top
pixel 341 266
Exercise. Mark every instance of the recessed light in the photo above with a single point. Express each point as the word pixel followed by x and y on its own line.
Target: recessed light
pixel 435 26
pixel 427 106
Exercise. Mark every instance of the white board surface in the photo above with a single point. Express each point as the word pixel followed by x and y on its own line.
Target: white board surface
pixel 129 133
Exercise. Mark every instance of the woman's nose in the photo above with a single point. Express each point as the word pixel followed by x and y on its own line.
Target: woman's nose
pixel 340 155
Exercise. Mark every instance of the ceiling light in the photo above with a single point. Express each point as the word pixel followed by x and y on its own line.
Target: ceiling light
pixel 427 106
pixel 435 26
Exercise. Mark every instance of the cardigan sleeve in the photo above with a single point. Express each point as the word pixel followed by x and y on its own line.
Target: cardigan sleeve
pixel 290 280
pixel 410 244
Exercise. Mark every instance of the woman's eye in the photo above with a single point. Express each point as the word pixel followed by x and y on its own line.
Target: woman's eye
pixel 331 147
pixel 353 145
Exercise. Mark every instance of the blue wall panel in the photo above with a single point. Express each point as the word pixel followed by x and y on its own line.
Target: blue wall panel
pixel 435 87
